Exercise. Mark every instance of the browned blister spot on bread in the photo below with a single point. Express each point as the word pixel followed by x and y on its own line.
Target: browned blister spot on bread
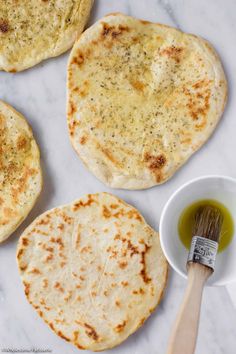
pixel 57 241
pixel 9 212
pixel 35 271
pixel 48 258
pixel 199 107
pixel 61 227
pixel 143 271
pixel 141 291
pixel 130 214
pixel 83 140
pixel 113 31
pixel 82 90
pixel 78 59
pixel 20 253
pixel 90 200
pixel 133 214
pixel 48 249
pixel 133 249
pixel 27 288
pixel 44 221
pixel 124 283
pixel 109 155
pixel 40 313
pixel 91 332
pixel 76 335
pixel 142 321
pixel 72 108
pixel 22 183
pixel 72 126
pixel 60 334
pixel 156 164
pixel 22 142
pixel 123 264
pixel 23 267
pixel 25 241
pixel 4 26
pixel 120 327
pixel 106 212
pixel 45 283
pixel 173 52
pixel 80 346
pixel 137 84
pixel 114 206
pixel 58 286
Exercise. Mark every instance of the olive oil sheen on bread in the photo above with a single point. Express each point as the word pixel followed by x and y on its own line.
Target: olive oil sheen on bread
pixel 186 222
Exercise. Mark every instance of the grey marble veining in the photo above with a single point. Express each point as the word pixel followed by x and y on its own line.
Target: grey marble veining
pixel 40 93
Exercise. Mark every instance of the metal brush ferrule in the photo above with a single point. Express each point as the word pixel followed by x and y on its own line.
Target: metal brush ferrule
pixel 204 251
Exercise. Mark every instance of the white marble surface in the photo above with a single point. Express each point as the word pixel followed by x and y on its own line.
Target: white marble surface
pixel 39 94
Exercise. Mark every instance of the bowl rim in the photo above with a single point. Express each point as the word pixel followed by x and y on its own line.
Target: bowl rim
pixel 163 214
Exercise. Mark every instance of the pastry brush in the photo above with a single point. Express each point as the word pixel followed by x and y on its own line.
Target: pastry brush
pixel 200 265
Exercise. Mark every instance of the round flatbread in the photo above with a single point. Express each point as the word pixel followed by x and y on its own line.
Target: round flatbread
pixel 93 270
pixel 142 98
pixel 20 172
pixel 32 31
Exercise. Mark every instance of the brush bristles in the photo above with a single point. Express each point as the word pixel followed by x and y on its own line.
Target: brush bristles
pixel 208 222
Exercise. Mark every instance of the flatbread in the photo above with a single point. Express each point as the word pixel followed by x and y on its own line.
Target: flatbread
pixel 31 31
pixel 20 172
pixel 93 270
pixel 142 98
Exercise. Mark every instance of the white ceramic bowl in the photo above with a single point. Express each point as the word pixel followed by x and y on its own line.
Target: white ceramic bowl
pixel 220 188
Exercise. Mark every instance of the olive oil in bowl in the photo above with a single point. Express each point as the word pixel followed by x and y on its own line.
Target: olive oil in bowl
pixel 186 222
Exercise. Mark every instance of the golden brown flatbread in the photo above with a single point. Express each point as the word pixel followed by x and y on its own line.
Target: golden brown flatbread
pixel 31 31
pixel 142 98
pixel 20 171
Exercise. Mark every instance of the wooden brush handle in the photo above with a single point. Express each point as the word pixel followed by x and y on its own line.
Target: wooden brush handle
pixel 184 333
